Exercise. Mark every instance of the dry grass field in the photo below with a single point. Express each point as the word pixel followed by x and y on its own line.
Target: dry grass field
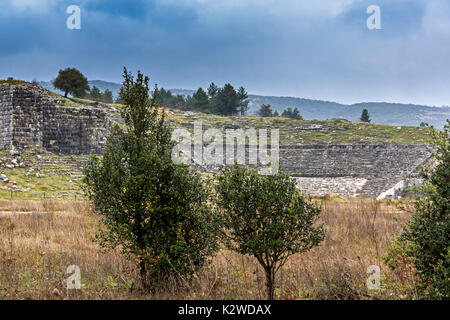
pixel 40 239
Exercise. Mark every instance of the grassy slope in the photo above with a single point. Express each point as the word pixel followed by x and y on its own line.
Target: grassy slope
pixel 310 131
pixel 299 131
pixel 49 183
pixel 381 112
pixel 48 186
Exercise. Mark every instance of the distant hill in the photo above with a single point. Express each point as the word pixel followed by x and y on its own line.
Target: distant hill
pixel 103 85
pixel 380 112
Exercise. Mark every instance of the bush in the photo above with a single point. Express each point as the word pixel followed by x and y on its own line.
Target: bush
pixel 427 234
pixel 266 217
pixel 152 208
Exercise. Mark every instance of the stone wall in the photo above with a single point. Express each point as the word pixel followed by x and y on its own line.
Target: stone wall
pixel 341 169
pixel 31 117
pixel 6 107
pixel 362 170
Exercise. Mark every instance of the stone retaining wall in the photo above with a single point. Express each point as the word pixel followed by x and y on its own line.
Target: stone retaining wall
pixel 31 117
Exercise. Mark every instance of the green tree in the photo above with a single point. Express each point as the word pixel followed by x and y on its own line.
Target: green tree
pixel 266 217
pixel 243 101
pixel 287 113
pixel 365 117
pixel 72 81
pixel 227 101
pixel 179 101
pixel 213 90
pixel 265 110
pixel 427 234
pixel 152 208
pixel 275 113
pixel 167 99
pixel 107 96
pixel 200 100
pixel 163 97
pixel 292 114
pixel 95 94
pixel 296 115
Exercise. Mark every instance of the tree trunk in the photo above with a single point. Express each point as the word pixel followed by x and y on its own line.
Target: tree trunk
pixel 144 279
pixel 270 283
pixel 65 94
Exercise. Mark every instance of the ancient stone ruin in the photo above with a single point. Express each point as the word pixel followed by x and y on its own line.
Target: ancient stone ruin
pixel 32 117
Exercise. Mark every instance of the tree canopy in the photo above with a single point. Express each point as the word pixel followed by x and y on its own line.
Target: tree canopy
pixel 155 210
pixel 266 217
pixel 426 237
pixel 167 99
pixel 223 101
pixel 96 95
pixel 71 81
pixel 265 110
pixel 365 117
pixel 292 114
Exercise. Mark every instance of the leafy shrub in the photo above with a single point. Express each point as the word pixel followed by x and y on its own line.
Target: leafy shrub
pixel 266 217
pixel 426 235
pixel 152 208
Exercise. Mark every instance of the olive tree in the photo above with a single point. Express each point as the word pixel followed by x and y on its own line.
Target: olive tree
pixel 150 207
pixel 266 217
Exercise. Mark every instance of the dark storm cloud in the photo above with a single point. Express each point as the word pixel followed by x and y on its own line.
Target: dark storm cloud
pixel 318 49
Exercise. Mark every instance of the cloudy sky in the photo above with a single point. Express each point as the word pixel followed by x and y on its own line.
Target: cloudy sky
pixel 319 49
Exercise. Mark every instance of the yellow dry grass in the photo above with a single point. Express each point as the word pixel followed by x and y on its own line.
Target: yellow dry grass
pixel 37 248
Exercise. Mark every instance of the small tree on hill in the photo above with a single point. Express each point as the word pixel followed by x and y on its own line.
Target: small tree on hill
pixel 365 117
pixel 107 96
pixel 266 217
pixel 243 101
pixel 165 98
pixel 265 110
pixel 213 89
pixel 154 209
pixel 226 101
pixel 293 114
pixel 199 100
pixel 95 94
pixel 72 81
